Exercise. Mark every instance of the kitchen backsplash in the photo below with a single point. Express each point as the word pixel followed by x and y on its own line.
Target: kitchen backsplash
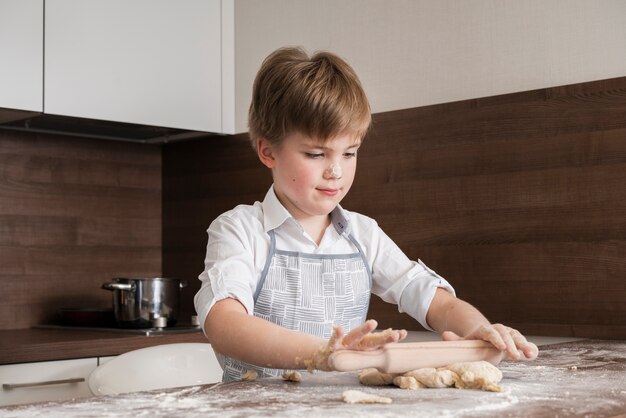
pixel 73 214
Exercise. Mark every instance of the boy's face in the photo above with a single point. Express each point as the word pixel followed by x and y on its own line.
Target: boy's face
pixel 311 178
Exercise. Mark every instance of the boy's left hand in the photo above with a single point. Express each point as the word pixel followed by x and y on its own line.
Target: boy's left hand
pixel 361 338
pixel 502 337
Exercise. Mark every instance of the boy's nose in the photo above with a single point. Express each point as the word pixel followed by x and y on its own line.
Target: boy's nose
pixel 333 171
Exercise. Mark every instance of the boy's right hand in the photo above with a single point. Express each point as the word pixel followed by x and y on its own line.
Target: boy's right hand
pixel 361 339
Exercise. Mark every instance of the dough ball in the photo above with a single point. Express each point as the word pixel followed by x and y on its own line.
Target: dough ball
pixel 372 377
pixel 407 382
pixel 249 375
pixel 292 376
pixel 433 378
pixel 356 396
pixel 476 375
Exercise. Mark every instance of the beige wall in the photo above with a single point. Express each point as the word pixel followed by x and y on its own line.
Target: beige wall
pixel 412 53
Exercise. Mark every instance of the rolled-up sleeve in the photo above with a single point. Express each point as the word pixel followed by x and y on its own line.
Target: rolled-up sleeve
pixel 419 293
pixel 409 284
pixel 228 268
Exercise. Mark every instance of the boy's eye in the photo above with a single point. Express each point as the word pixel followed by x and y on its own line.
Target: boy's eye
pixel 349 154
pixel 314 154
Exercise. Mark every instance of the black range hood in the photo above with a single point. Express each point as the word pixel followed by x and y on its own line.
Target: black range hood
pixel 35 122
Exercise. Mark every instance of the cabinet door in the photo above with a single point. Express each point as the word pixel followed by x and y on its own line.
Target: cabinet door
pixel 45 381
pixel 21 52
pixel 153 62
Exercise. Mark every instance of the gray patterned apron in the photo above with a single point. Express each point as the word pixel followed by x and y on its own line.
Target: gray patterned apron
pixel 309 293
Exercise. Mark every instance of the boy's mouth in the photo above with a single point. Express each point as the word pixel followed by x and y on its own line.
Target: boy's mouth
pixel 328 192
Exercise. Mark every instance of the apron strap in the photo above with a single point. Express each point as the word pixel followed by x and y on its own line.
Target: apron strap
pixel 362 254
pixel 268 262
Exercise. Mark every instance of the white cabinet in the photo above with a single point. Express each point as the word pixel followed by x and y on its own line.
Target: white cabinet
pixel 190 64
pixel 45 381
pixel 152 62
pixel 21 53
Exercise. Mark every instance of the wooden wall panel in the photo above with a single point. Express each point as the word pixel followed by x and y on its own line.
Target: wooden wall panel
pixel 202 179
pixel 518 200
pixel 74 213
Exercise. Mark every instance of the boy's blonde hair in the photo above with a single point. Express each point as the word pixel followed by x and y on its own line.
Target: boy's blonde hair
pixel 318 96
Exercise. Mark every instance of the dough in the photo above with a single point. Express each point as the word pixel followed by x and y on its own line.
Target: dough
pixel 433 378
pixel 407 382
pixel 292 376
pixel 372 377
pixel 477 375
pixel 356 396
pixel 249 375
pixel 470 375
pixel 372 339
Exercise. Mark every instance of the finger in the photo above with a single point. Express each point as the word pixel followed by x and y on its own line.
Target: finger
pixel 505 334
pixel 531 352
pixel 376 340
pixel 490 334
pixel 357 334
pixel 403 334
pixel 528 349
pixel 520 341
pixel 450 336
pixel 336 338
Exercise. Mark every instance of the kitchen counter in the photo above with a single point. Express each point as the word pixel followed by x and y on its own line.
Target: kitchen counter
pixel 34 344
pixel 574 379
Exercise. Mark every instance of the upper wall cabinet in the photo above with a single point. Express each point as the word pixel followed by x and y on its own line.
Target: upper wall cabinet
pixel 21 52
pixel 191 64
pixel 151 62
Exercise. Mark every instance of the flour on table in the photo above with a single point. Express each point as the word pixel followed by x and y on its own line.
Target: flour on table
pixel 469 375
pixel 356 396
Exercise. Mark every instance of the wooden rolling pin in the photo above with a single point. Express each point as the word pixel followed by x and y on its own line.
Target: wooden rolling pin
pixel 404 357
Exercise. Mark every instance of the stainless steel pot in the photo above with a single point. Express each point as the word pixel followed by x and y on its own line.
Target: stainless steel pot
pixel 145 302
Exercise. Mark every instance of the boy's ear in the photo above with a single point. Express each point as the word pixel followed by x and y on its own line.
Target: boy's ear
pixel 265 152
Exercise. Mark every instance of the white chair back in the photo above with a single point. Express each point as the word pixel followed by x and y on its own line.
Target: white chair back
pixel 158 367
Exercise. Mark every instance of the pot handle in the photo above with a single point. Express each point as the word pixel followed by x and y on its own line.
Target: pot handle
pixel 117 286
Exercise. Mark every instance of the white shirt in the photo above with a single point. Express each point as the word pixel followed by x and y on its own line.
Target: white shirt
pixel 238 246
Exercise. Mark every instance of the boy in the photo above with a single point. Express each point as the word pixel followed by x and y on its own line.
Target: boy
pixel 285 277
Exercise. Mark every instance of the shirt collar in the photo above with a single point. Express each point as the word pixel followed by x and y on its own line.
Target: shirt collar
pixel 340 220
pixel 275 214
